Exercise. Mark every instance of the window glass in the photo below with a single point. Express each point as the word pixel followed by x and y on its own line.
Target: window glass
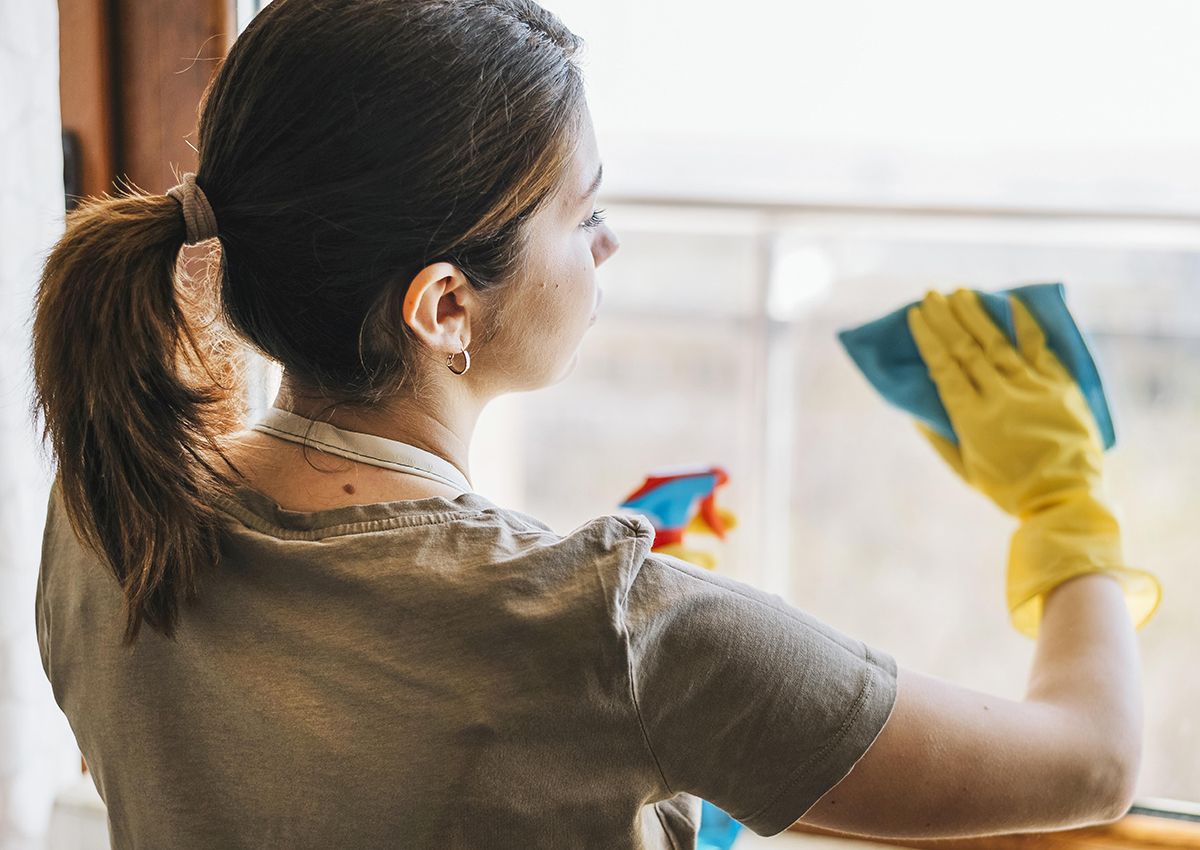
pixel 757 172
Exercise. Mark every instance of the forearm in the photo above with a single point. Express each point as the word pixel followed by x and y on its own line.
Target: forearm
pixel 1087 665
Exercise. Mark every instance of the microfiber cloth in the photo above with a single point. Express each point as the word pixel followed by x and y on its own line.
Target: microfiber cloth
pixel 887 355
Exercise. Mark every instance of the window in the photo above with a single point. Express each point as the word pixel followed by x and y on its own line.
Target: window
pixel 802 167
pixel 845 510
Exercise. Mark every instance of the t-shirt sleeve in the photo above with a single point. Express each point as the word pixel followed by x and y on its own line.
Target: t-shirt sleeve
pixel 745 700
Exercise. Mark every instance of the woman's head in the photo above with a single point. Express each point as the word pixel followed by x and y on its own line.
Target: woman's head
pixel 389 180
pixel 348 146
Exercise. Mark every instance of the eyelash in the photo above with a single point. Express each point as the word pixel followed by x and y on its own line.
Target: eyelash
pixel 594 221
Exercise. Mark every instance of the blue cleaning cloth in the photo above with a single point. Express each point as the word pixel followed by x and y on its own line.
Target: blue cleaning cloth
pixel 717 829
pixel 887 355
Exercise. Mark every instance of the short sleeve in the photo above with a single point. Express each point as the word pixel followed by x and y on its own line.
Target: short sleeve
pixel 746 701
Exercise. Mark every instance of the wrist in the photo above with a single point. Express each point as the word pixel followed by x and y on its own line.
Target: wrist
pixel 1067 504
pixel 1075 536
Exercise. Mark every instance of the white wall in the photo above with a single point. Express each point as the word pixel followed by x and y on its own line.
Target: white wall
pixel 37 749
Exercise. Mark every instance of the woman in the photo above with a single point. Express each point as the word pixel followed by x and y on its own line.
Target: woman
pixel 347 646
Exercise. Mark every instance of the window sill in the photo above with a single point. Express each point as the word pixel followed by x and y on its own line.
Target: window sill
pixel 1150 823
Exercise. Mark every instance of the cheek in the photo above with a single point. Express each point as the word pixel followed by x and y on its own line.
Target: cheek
pixel 562 284
pixel 571 282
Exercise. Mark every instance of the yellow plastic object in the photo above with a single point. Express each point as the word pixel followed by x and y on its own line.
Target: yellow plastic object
pixel 1028 441
pixel 698 525
pixel 696 556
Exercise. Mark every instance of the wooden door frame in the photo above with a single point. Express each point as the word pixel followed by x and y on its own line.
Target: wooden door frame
pixel 132 73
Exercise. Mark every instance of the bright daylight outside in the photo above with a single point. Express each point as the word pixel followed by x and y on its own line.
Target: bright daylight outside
pixel 776 172
pixel 794 169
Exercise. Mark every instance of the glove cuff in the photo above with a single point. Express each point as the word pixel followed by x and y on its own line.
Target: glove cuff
pixel 1077 536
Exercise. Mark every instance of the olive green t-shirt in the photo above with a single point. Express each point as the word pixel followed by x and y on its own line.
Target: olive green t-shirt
pixel 446 673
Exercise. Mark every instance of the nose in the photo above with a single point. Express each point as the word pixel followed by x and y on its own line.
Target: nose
pixel 605 244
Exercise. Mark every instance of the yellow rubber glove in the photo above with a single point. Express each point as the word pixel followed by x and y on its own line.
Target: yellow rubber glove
pixel 1028 441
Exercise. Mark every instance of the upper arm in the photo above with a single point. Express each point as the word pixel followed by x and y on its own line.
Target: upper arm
pixel 744 700
pixel 953 762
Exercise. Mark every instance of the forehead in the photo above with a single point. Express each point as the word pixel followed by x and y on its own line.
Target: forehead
pixel 585 162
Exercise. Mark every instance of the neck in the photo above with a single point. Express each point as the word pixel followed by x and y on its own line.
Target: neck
pixel 444 428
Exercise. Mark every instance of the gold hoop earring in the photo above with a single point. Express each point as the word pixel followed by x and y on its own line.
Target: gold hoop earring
pixel 466 357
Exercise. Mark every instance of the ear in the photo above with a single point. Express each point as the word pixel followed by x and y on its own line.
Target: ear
pixel 439 306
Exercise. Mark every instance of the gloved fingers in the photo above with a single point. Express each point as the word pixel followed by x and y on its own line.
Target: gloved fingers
pixel 996 347
pixel 963 347
pixel 1033 343
pixel 945 448
pixel 944 370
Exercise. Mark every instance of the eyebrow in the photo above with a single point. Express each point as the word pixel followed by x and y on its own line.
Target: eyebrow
pixel 595 184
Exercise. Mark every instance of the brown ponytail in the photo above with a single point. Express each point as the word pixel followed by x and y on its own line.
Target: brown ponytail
pixel 342 147
pixel 126 394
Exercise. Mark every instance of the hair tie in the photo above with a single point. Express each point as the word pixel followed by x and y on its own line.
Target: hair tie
pixel 197 212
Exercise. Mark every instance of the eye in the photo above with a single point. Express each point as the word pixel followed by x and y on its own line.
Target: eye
pixel 594 220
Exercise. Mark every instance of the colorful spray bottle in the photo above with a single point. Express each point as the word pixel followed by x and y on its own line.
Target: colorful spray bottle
pixel 678 500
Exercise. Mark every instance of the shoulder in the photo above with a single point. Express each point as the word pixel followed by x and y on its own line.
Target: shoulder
pixel 591 566
pixel 605 552
pixel 649 579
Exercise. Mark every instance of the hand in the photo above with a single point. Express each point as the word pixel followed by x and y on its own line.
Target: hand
pixel 1027 438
